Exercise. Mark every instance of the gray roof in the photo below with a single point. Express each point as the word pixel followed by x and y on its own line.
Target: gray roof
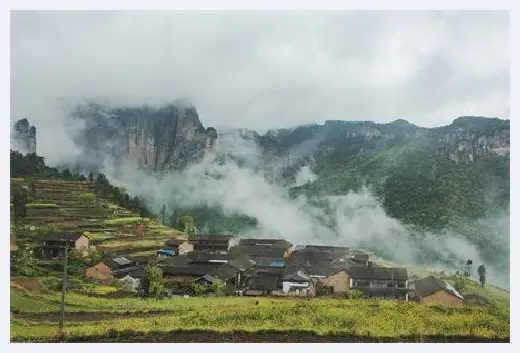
pixel 298 276
pixel 224 272
pixel 278 243
pixel 255 251
pixel 430 285
pixel 62 236
pixel 241 263
pixel 119 262
pixel 380 273
pixel 190 270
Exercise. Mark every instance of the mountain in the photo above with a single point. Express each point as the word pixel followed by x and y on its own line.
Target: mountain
pixel 23 136
pixel 154 139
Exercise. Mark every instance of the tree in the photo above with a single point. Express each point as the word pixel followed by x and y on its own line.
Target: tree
pixel 90 176
pixel 216 287
pixel 482 275
pixel 152 281
pixel 87 199
pixel 163 214
pixel 469 263
pixel 460 282
pixel 67 175
pixel 19 202
pixel 189 224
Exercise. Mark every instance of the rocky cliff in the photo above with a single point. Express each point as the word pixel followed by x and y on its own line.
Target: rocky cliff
pixel 156 139
pixel 23 136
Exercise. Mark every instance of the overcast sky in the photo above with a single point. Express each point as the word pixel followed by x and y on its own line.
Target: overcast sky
pixel 264 70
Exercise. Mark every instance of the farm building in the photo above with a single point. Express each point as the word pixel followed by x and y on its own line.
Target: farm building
pixel 54 245
pixel 434 290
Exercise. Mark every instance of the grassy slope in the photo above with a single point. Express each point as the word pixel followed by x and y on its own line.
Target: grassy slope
pixel 322 316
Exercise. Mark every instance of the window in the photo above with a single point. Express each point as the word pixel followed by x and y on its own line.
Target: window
pixel 401 285
pixel 362 283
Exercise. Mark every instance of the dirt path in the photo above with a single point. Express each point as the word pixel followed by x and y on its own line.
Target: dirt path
pixel 201 336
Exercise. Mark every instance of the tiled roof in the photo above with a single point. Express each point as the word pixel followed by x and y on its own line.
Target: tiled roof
pixel 430 285
pixel 255 251
pixel 278 243
pixel 225 272
pixel 194 270
pixel 61 236
pixel 380 273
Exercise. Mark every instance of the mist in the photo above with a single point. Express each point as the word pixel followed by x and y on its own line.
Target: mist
pixel 265 71
pixel 355 219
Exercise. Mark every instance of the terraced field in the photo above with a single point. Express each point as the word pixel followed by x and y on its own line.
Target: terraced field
pixel 56 204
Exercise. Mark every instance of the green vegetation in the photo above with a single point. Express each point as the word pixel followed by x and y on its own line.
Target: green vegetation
pixel 153 281
pixel 41 205
pixel 127 220
pixel 323 316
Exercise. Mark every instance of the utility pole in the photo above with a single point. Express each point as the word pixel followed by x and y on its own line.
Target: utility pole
pixel 64 288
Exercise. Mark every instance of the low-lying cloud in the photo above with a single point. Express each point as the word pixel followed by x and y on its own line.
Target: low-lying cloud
pixel 355 219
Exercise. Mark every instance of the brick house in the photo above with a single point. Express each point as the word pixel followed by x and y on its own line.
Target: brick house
pixel 436 291
pixel 99 274
pixel 334 284
pixel 54 245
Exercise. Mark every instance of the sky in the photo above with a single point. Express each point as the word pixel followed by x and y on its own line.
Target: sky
pixel 262 70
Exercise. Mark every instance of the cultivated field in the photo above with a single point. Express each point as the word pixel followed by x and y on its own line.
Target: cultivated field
pixel 92 319
pixel 56 205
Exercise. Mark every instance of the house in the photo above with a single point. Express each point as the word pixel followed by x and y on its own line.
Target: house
pixel 380 282
pixel 334 283
pixel 186 273
pixel 272 243
pixel 251 279
pixel 254 251
pixel 219 244
pixel 434 290
pixel 99 274
pixel 120 266
pixel 54 245
pixel 131 283
pixel 179 246
pixel 202 257
pixel 261 286
pixel 298 284
pixel 142 260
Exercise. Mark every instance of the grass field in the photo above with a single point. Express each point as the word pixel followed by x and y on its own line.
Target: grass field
pixel 321 316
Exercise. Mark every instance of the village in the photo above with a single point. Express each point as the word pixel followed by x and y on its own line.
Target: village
pixel 259 267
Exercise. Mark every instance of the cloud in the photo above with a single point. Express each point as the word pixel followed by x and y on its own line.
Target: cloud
pixel 355 219
pixel 261 70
